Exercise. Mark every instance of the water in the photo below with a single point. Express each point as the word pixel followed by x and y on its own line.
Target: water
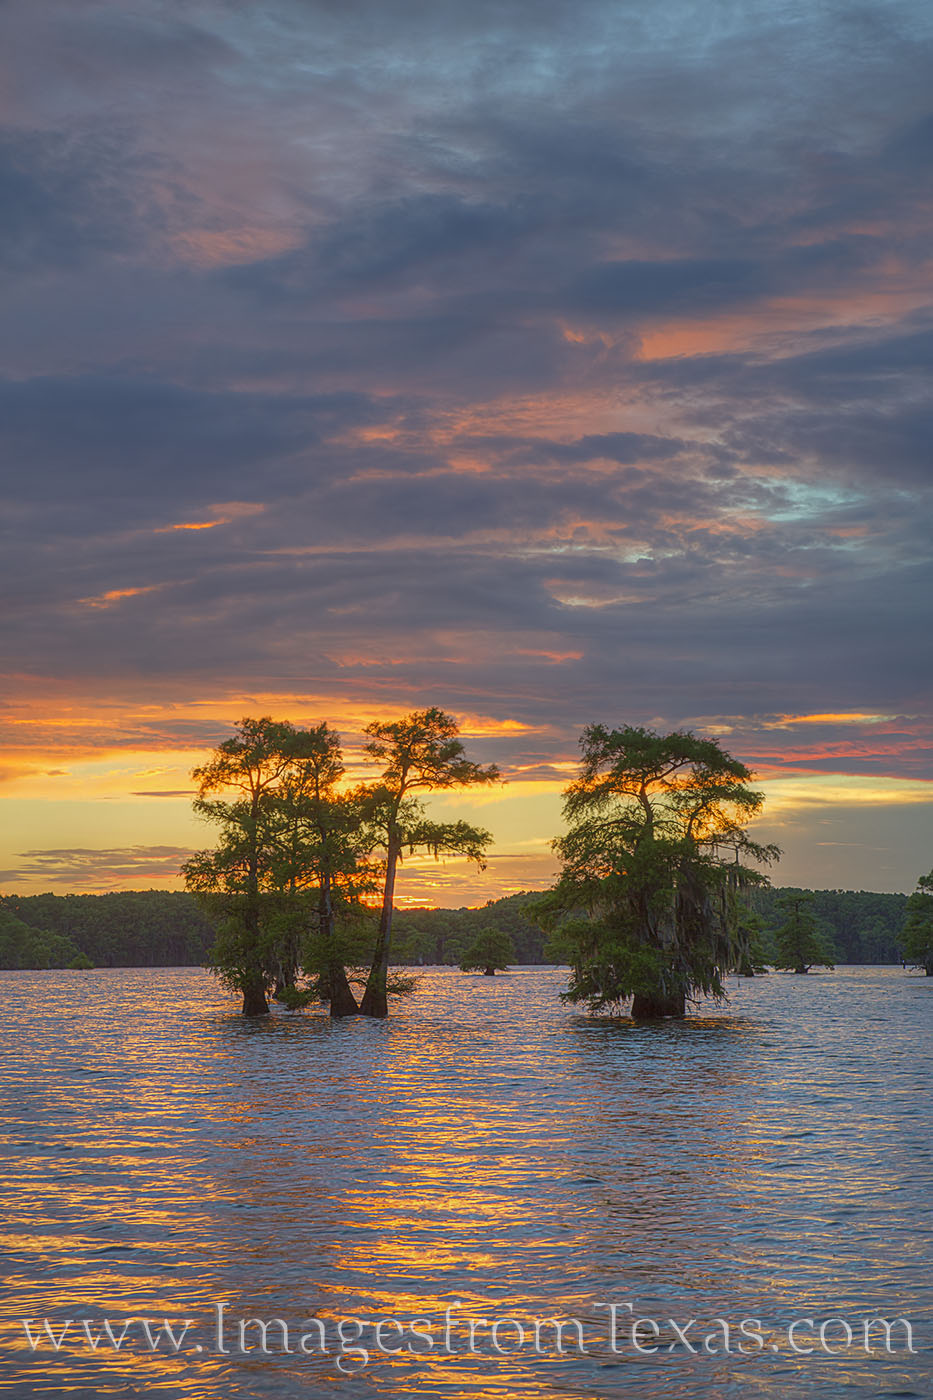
pixel 769 1160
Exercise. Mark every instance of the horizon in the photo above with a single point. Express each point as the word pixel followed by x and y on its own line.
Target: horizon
pixel 408 908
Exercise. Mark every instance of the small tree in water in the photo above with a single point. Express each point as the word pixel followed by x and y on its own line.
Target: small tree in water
pixel 917 938
pixel 287 863
pixel 321 864
pixel 800 945
pixel 490 950
pixel 420 753
pixel 237 879
pixel 648 902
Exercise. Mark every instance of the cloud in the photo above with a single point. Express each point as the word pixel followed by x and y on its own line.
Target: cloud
pixel 165 792
pixel 63 202
pixel 82 868
pixel 385 355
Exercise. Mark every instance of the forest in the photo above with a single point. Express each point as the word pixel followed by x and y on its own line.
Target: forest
pixel 159 928
pixel 139 928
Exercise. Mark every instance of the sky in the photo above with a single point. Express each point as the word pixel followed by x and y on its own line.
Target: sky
pixel 550 362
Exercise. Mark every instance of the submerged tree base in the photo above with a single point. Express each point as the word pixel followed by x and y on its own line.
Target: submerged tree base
pixel 334 988
pixel 652 1008
pixel 375 1003
pixel 342 1001
pixel 254 1001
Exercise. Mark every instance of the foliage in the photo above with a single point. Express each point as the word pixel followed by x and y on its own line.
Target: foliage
pixel 288 863
pixel 238 880
pixel 647 904
pixel 917 937
pixel 323 846
pixel 760 951
pixel 418 754
pixel 136 928
pixel 800 944
pixel 443 935
pixel 864 926
pixel 22 946
pixel 168 928
pixel 491 949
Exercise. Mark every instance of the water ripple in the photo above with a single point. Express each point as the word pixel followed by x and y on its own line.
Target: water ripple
pixel 487 1146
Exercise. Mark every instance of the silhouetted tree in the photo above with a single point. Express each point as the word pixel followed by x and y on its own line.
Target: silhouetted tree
pixel 239 878
pixel 490 949
pixel 420 753
pixel 800 945
pixel 288 861
pixel 322 865
pixel 647 905
pixel 756 952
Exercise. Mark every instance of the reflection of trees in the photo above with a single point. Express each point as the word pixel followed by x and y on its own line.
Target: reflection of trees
pixel 657 1136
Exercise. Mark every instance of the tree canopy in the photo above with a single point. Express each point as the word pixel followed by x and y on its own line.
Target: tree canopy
pixel 800 944
pixel 419 754
pixel 917 937
pixel 290 855
pixel 654 859
pixel 298 853
pixel 22 946
pixel 492 949
pixel 240 877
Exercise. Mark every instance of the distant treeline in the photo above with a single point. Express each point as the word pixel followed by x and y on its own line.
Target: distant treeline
pixel 159 928
pixel 444 935
pixel 142 928
pixel 862 927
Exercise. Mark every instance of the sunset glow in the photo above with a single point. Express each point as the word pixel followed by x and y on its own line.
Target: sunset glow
pixel 540 392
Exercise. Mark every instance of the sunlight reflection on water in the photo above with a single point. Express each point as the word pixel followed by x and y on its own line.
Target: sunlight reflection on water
pixel 769 1159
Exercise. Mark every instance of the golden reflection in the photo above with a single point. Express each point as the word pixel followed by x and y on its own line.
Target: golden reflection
pixel 486 1154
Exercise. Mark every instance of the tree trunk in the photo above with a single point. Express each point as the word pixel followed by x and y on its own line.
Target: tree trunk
pixel 285 980
pixel 342 1000
pixel 340 994
pixel 254 996
pixel 489 972
pixel 254 982
pixel 930 969
pixel 375 1002
pixel 653 1007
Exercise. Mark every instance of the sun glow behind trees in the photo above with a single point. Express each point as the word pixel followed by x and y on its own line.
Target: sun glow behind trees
pixel 648 904
pixel 296 852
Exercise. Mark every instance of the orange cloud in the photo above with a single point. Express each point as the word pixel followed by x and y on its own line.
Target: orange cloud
pixel 556 656
pixel 786 319
pixel 232 247
pixel 116 595
pixel 225 514
pixel 839 717
pixel 486 725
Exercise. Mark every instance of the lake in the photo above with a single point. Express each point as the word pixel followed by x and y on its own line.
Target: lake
pixel 488 1153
